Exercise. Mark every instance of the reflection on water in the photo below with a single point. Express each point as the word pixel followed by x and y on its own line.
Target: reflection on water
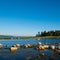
pixel 45 55
pixel 28 53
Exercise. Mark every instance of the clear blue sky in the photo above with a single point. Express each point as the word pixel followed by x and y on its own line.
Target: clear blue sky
pixel 27 17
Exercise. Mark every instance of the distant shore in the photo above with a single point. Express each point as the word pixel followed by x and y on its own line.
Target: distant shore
pixel 30 37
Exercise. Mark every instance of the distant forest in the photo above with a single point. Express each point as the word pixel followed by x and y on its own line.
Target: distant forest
pixel 49 33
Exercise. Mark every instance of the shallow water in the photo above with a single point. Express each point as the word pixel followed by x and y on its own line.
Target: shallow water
pixel 28 53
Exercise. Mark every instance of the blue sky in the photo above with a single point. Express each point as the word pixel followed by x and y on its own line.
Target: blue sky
pixel 27 17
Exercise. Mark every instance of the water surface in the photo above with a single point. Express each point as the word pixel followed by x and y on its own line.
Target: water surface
pixel 29 53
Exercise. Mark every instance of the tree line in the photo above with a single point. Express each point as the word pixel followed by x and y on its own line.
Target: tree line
pixel 49 33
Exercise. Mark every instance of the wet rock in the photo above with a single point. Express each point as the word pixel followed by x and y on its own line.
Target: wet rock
pixel 13 49
pixel 0 45
pixel 46 46
pixel 52 47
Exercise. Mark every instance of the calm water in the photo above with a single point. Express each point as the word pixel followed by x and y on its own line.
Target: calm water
pixel 29 53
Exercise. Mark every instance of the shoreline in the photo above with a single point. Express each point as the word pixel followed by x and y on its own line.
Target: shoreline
pixel 30 37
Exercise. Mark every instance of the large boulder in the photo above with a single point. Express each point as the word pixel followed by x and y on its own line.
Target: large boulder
pixel 13 49
pixel 52 47
pixel 0 45
pixel 46 46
